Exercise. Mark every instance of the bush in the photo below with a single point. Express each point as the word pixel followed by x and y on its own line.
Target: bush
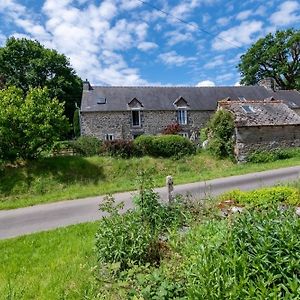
pixel 272 155
pixel 122 239
pixel 264 196
pixel 87 146
pixel 120 148
pixel 133 237
pixel 254 256
pixel 220 130
pixel 172 129
pixel 164 146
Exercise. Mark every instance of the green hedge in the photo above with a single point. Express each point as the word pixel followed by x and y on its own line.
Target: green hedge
pixel 264 196
pixel 164 146
pixel 272 155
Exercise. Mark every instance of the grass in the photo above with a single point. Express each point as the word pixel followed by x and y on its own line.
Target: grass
pixel 49 265
pixel 63 178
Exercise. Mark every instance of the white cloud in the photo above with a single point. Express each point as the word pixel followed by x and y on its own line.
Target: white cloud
pixel 237 84
pixel 223 21
pixel 244 15
pixel 130 4
pixel 206 83
pixel 175 37
pixel 172 58
pixel 287 14
pixel 241 35
pixel 146 46
pixel 87 35
pixel 215 62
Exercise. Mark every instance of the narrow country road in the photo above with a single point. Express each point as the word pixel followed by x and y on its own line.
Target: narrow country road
pixel 42 217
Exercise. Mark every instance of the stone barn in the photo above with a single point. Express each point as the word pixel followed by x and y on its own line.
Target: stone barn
pixel 262 125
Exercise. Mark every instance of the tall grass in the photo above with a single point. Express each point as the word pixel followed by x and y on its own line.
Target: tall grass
pixel 63 178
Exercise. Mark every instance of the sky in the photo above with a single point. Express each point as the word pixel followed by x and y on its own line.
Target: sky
pixel 149 42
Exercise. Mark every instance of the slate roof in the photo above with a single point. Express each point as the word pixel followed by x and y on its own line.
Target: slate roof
pixel 261 113
pixel 162 98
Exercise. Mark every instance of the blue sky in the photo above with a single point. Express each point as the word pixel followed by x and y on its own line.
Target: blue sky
pixel 127 42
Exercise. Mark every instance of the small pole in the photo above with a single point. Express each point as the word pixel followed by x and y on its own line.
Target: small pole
pixel 170 187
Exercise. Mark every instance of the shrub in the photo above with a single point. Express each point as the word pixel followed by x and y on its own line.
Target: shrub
pixel 133 237
pixel 220 130
pixel 122 238
pixel 87 146
pixel 121 148
pixel 172 129
pixel 264 156
pixel 76 123
pixel 253 256
pixel 165 146
pixel 264 196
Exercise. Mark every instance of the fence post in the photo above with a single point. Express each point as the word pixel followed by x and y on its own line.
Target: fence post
pixel 170 187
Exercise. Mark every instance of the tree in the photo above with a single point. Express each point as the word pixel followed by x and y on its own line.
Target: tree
pixel 220 130
pixel 29 124
pixel 276 56
pixel 25 63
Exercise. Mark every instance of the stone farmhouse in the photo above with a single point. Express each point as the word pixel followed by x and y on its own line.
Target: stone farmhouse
pixel 265 125
pixel 116 112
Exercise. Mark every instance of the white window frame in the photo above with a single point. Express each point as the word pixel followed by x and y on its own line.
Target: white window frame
pixel 184 134
pixel 109 137
pixel 182 116
pixel 139 115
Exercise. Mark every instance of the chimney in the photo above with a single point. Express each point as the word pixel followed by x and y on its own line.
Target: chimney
pixel 87 86
pixel 269 83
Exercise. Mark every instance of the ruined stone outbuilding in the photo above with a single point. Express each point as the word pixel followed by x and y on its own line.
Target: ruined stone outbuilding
pixel 262 125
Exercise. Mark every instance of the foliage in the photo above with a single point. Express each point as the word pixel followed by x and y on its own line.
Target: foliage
pixel 264 196
pixel 220 131
pixel 87 145
pixel 30 124
pixel 264 156
pixel 76 123
pixel 173 128
pixel 253 256
pixel 121 238
pixel 164 146
pixel 119 148
pixel 275 56
pixel 27 64
pixel 133 237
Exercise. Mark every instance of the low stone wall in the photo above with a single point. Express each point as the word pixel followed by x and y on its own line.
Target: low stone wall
pixel 250 139
pixel 99 124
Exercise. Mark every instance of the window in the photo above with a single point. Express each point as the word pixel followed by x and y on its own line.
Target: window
pixel 136 118
pixel 184 134
pixel 242 99
pixel 109 137
pixel 248 109
pixel 182 116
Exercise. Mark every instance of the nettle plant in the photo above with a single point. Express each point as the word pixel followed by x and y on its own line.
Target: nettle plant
pixel 133 237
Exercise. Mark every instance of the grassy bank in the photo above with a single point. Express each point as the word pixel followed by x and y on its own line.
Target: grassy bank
pixel 212 259
pixel 63 178
pixel 49 265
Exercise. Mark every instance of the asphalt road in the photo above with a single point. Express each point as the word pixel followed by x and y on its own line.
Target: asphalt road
pixel 42 217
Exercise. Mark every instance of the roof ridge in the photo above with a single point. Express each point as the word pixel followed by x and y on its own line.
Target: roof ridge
pixel 177 86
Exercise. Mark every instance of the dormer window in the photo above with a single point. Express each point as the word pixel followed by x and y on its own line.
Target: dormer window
pixel 182 116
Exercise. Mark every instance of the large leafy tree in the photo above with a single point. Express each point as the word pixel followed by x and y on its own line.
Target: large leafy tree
pixel 29 124
pixel 276 56
pixel 27 64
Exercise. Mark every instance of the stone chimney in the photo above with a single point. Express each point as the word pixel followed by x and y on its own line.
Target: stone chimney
pixel 269 83
pixel 87 86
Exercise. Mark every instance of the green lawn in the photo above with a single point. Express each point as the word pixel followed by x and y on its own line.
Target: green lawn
pixel 49 265
pixel 63 178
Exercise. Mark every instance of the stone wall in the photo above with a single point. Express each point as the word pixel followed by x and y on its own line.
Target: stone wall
pixel 152 122
pixel 249 139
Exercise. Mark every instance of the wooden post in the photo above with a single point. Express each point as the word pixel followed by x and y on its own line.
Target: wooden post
pixel 170 187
